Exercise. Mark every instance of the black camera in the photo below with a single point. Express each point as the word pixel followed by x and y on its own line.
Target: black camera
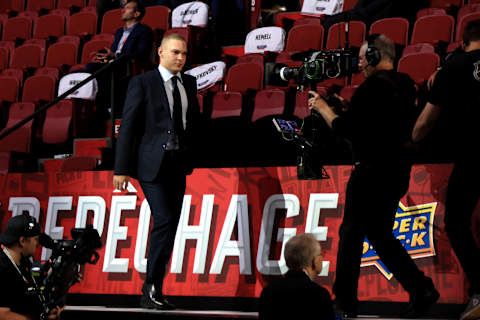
pixel 316 67
pixel 62 270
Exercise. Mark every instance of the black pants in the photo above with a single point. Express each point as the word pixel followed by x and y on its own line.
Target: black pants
pixel 372 198
pixel 462 197
pixel 165 198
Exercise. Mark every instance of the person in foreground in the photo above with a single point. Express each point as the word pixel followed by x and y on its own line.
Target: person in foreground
pixel 296 295
pixel 19 242
pixel 454 108
pixel 378 123
pixel 153 146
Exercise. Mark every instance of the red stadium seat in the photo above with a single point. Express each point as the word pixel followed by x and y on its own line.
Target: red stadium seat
pixel 336 35
pixel 73 39
pixel 38 88
pixel 454 45
pixel 446 4
pixel 28 56
pixel 28 14
pixel 469 8
pixel 58 120
pixel 15 73
pixel 4 58
pixel 91 47
pixel 11 5
pixel 48 71
pixel 157 18
pixel 17 28
pixel 394 28
pixel 10 88
pixel 463 23
pixel 49 25
pixel 268 102
pixel 20 139
pixel 36 5
pixel 82 23
pixel 8 46
pixel 252 58
pixel 430 12
pixel 419 66
pixel 61 12
pixel 307 20
pixel 201 101
pixel 226 104
pixel 104 36
pixel 304 37
pixel 418 47
pixel 71 3
pixel 358 78
pixel 5 160
pixel 60 54
pixel 112 21
pixel 432 29
pixel 244 76
pixel 92 3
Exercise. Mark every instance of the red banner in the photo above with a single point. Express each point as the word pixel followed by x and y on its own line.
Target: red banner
pixel 234 224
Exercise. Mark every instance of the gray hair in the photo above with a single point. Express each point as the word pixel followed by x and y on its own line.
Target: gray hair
pixel 301 250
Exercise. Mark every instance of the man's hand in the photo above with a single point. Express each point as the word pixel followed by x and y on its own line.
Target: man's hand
pixel 103 55
pixel 55 313
pixel 120 182
pixel 316 102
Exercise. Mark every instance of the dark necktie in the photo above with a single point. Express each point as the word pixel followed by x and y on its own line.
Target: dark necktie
pixel 177 111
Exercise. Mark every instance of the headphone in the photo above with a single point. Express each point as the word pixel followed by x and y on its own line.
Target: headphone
pixel 372 55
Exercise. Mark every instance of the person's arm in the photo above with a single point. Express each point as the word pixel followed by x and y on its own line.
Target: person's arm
pixel 131 110
pixel 425 121
pixel 318 104
pixel 7 314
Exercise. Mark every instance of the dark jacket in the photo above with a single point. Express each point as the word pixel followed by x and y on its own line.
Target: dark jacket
pixel 138 44
pixel 146 126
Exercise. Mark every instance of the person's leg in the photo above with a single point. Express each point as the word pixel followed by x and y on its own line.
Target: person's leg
pixel 165 198
pixel 350 246
pixel 462 197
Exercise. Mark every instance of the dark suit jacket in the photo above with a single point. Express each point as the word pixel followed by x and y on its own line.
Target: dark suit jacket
pixel 295 296
pixel 146 126
pixel 138 44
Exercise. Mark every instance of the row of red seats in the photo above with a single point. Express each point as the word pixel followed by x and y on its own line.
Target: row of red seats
pixel 7 6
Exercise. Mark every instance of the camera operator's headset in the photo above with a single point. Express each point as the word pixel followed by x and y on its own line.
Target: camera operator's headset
pixel 372 55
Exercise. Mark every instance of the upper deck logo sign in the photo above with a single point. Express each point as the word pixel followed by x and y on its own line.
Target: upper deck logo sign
pixel 413 226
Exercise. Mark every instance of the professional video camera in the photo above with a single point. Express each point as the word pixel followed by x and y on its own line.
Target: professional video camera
pixel 62 270
pixel 316 67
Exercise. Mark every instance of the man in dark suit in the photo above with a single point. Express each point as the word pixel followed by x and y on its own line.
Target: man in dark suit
pixel 159 116
pixel 133 39
pixel 297 296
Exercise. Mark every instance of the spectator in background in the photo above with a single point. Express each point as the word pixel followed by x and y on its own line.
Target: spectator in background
pixel 134 39
pixel 296 295
pixel 454 108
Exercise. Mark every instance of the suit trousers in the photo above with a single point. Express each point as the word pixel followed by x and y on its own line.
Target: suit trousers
pixel 372 197
pixel 165 198
pixel 462 197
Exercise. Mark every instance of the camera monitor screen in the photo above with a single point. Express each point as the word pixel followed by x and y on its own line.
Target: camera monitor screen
pixel 286 126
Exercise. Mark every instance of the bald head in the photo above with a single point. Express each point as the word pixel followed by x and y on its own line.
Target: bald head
pixel 301 250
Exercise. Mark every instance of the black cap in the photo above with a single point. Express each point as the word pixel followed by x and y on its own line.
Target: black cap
pixel 20 226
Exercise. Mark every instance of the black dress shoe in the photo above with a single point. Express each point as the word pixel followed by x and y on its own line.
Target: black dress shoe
pixel 153 300
pixel 421 303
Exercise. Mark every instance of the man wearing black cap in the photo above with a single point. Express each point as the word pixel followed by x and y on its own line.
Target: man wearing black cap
pixel 19 242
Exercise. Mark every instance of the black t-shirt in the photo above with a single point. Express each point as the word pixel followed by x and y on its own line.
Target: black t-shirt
pixel 14 290
pixel 380 118
pixel 457 90
pixel 295 296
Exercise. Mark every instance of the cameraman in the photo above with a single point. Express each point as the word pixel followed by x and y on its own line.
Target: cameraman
pixel 19 298
pixel 378 123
